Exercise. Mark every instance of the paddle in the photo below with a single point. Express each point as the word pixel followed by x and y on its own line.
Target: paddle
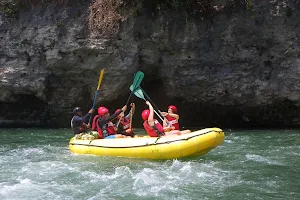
pixel 139 93
pixel 151 102
pixel 117 125
pixel 97 91
pixel 131 115
pixel 138 77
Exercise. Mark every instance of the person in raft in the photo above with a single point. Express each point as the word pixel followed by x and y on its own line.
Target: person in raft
pixel 80 123
pixel 153 127
pixel 171 118
pixel 122 124
pixel 102 123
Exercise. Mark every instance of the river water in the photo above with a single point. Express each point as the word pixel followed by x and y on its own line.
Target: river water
pixel 250 164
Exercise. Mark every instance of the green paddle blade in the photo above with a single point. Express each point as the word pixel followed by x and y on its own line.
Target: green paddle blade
pixel 138 77
pixel 137 92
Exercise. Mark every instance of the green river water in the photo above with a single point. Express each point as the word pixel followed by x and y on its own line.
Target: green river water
pixel 250 164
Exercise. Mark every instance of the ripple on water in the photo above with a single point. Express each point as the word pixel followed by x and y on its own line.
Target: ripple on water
pixel 248 165
pixel 261 159
pixel 179 177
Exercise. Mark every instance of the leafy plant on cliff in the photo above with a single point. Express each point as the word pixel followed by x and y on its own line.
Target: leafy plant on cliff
pixel 104 17
pixel 249 6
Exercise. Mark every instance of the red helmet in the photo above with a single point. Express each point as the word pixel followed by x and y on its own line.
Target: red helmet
pixel 145 114
pixel 102 111
pixel 117 111
pixel 173 108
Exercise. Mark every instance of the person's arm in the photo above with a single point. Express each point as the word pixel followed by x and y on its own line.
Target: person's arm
pixel 130 112
pixel 105 120
pixel 151 115
pixel 173 115
pixel 87 116
pixel 127 116
pixel 165 123
pixel 120 129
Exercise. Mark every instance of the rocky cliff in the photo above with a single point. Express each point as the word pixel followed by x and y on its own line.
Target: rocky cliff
pixel 236 67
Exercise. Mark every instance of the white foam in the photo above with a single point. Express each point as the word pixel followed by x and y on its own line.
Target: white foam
pixel 262 159
pixel 228 141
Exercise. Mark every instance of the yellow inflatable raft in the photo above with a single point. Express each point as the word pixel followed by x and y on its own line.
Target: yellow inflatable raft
pixel 192 144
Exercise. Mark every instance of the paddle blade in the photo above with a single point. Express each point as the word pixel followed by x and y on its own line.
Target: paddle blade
pixel 100 78
pixel 138 77
pixel 137 92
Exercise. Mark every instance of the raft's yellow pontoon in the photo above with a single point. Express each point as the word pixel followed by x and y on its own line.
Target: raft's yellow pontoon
pixel 192 144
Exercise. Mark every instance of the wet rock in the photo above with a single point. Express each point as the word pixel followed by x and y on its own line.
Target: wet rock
pixel 235 68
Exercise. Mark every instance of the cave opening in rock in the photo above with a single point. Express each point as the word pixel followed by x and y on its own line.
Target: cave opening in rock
pixel 25 110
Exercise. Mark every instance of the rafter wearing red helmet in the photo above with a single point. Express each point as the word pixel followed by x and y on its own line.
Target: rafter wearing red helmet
pixel 102 123
pixel 153 127
pixel 171 118
pixel 122 122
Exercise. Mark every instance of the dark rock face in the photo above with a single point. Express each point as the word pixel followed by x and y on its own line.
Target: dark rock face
pixel 238 68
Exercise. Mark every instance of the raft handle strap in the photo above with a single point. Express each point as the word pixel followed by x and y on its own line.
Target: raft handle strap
pixel 156 140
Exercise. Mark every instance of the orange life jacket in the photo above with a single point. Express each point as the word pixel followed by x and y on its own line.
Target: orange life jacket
pixel 154 131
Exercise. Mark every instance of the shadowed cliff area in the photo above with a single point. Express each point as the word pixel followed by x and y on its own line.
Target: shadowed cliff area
pixel 223 63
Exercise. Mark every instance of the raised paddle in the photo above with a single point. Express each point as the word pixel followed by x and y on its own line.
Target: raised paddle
pixel 139 93
pixel 138 77
pixel 117 125
pixel 151 102
pixel 131 115
pixel 154 105
pixel 97 91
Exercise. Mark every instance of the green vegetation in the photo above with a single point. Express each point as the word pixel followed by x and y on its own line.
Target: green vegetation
pixel 249 6
pixel 11 8
pixel 105 15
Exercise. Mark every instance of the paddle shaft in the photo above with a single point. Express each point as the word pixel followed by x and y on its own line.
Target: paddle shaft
pixel 131 115
pixel 128 98
pixel 158 115
pixel 139 93
pixel 97 91
pixel 156 108
pixel 117 125
pixel 95 97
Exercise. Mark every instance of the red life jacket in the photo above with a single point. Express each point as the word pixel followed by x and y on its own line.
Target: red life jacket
pixel 110 128
pixel 173 122
pixel 106 130
pixel 95 126
pixel 126 125
pixel 155 131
